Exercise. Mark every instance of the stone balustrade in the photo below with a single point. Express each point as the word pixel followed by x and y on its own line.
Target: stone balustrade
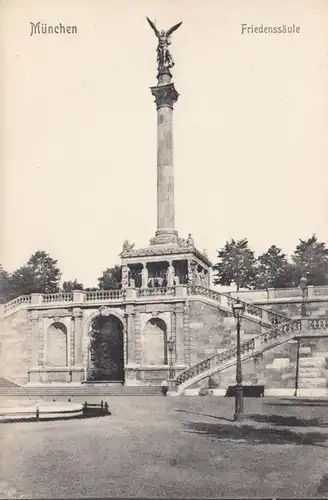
pixel 226 300
pixel 284 294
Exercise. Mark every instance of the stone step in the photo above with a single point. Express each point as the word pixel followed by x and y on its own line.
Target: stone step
pixel 313 361
pixel 312 374
pixel 318 382
pixel 84 390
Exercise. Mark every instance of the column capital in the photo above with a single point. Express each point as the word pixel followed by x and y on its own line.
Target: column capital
pixel 165 95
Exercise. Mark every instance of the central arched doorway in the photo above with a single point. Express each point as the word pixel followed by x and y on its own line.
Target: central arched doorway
pixel 106 354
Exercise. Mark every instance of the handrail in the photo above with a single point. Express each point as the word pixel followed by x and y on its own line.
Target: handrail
pixel 226 300
pixel 13 304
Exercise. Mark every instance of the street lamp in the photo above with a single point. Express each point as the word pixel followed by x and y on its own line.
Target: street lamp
pixel 170 346
pixel 238 312
pixel 303 285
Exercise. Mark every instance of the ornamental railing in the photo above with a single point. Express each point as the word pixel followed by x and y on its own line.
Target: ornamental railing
pixel 228 301
pixel 17 303
pixel 153 292
pixel 58 298
pixel 99 295
pixel 318 323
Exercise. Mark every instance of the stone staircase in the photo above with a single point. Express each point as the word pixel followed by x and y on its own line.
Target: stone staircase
pixel 5 383
pixel 83 390
pixel 311 368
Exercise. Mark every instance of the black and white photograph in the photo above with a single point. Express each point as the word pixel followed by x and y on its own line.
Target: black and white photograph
pixel 163 249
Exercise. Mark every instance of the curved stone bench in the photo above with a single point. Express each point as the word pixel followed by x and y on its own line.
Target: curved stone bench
pixel 47 411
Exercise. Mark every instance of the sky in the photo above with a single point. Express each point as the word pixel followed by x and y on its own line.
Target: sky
pixel 78 127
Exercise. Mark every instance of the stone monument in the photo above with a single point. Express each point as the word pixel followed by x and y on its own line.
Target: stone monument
pixel 169 259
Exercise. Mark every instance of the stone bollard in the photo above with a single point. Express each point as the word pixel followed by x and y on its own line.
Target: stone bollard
pixel 37 413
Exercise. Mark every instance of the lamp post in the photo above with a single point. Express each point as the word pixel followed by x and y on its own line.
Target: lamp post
pixel 303 285
pixel 238 312
pixel 170 346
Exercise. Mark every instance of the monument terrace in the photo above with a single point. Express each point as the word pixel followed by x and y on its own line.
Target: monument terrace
pixel 166 322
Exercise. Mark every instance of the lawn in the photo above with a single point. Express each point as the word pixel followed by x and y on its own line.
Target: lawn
pixel 172 447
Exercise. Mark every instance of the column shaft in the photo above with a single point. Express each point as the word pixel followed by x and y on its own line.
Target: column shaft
pixel 165 174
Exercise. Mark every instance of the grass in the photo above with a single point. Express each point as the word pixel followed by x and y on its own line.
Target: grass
pixel 172 447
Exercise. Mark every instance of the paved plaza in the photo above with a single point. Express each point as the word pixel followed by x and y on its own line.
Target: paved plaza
pixel 172 447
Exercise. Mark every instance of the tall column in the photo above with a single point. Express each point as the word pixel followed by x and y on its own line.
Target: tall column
pixel 165 97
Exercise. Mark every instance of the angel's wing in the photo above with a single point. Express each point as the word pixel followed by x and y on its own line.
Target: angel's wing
pixel 170 31
pixel 153 27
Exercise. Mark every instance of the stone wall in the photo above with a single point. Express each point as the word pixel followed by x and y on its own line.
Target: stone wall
pixel 212 331
pixel 15 346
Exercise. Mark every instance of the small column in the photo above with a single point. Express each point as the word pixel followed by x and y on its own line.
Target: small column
pixel 78 336
pixel 144 276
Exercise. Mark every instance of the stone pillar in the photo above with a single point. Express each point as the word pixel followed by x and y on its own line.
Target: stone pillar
pixel 78 337
pixel 35 341
pixel 71 349
pixel 179 337
pixel 130 335
pixel 165 97
pixel 137 338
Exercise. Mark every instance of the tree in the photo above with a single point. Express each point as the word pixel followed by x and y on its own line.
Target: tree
pixel 23 281
pixel 6 292
pixel 311 260
pixel 237 264
pixel 274 270
pixel 70 286
pixel 46 272
pixel 39 275
pixel 110 279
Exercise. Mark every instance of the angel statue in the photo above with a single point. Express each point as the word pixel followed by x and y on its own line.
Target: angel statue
pixel 164 57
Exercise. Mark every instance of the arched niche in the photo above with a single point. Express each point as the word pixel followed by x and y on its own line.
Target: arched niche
pixel 106 349
pixel 56 347
pixel 154 342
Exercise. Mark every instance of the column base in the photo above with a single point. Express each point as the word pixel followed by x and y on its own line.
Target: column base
pixel 164 237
